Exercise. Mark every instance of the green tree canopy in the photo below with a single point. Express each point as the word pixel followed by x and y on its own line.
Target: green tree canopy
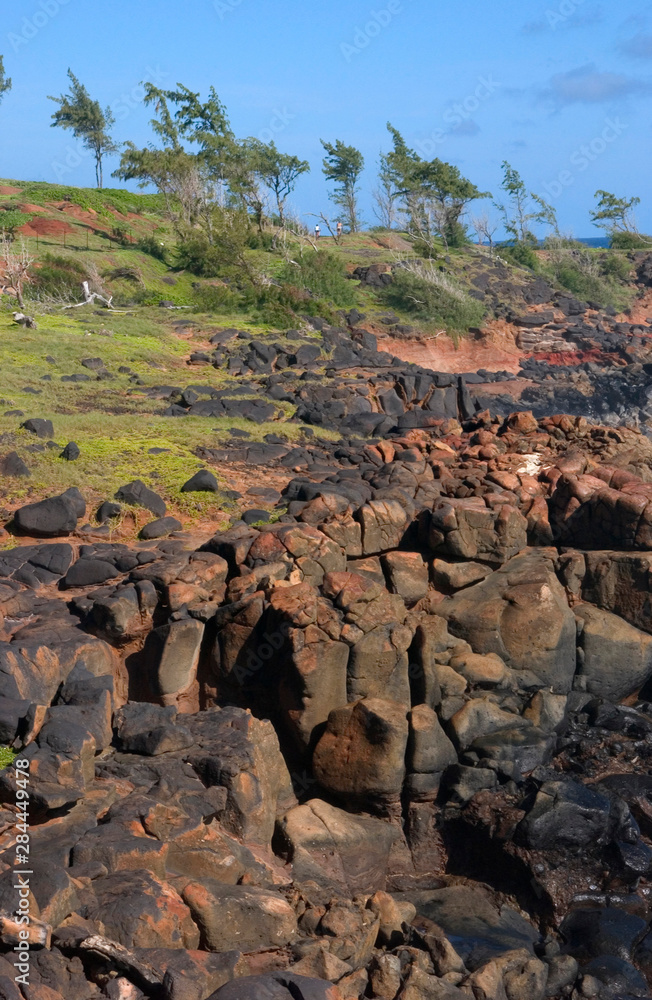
pixel 434 194
pixel 280 173
pixel 87 121
pixel 614 214
pixel 523 208
pixel 343 165
pixel 5 82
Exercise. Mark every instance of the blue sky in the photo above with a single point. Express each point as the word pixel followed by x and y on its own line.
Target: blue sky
pixel 560 88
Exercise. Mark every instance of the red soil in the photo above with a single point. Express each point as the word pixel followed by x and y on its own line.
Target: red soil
pixel 495 350
pixel 5 189
pixel 46 227
pixel 576 357
pixel 639 312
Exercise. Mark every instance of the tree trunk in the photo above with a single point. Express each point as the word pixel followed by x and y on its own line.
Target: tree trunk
pixel 19 294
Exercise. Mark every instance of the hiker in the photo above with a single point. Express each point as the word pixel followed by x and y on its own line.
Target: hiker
pixel 317 232
pixel 339 229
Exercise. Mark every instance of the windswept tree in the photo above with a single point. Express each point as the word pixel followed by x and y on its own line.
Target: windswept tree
pixel 195 155
pixel 343 165
pixel 397 170
pixel 432 193
pixel 523 208
pixel 444 197
pixel 280 173
pixel 88 122
pixel 5 82
pixel 386 196
pixel 615 214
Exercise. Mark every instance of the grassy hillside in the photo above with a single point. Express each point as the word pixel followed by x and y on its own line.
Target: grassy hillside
pixel 125 244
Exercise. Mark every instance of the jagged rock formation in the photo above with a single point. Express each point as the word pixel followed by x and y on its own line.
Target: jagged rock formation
pixel 393 745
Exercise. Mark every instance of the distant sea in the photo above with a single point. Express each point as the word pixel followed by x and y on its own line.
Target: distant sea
pixel 599 242
pixel 595 241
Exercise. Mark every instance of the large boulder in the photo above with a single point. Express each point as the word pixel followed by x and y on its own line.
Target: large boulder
pixel 521 613
pixel 361 756
pixel 138 910
pixel 139 495
pixel 615 658
pixel 47 518
pixel 341 853
pixel 469 529
pixel 240 916
pixel 278 986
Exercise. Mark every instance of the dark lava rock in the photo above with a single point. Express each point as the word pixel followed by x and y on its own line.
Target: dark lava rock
pixel 71 452
pixel 253 516
pixel 277 986
pixel 42 428
pixel 566 815
pixel 76 499
pixel 593 933
pixel 619 976
pixel 139 495
pixel 107 511
pixel 47 518
pixel 150 730
pixel 13 465
pixel 161 527
pixel 202 482
pixel 89 572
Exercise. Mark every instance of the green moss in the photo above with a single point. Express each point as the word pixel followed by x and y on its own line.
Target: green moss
pixel 7 757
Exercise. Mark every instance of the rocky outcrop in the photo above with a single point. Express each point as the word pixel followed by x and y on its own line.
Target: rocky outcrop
pixel 392 744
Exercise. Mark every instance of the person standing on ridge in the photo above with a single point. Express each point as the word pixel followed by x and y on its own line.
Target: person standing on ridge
pixel 317 231
pixel 339 230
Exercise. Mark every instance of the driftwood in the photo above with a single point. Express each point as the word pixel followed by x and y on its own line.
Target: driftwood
pixel 122 958
pixel 24 320
pixel 90 298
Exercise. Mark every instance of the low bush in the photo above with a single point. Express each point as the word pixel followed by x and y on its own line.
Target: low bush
pixel 320 275
pixel 630 241
pixel 152 246
pixel 58 278
pixel 430 296
pixel 519 253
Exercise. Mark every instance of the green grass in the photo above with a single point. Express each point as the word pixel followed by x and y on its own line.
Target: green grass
pixel 113 422
pixel 7 757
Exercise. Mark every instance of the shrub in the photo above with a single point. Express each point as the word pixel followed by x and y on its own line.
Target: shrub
pixel 224 254
pixel 58 278
pixel 152 246
pixel 11 220
pixel 428 295
pixel 122 235
pixel 215 298
pixel 276 305
pixel 124 273
pixel 322 276
pixel 615 265
pixel 519 253
pixel 260 241
pixel 630 241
